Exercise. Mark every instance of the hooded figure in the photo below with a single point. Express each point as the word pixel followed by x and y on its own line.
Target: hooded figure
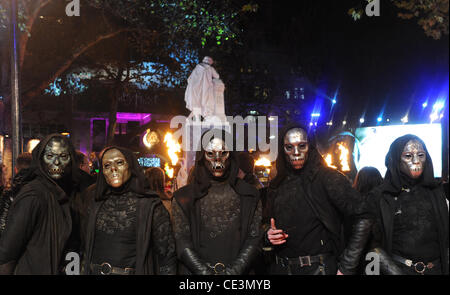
pixel 411 210
pixel 127 228
pixel 43 220
pixel 217 218
pixel 307 203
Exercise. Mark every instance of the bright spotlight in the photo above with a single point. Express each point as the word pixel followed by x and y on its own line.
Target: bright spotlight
pixel 425 104
pixel 404 119
pixel 361 120
pixel 379 119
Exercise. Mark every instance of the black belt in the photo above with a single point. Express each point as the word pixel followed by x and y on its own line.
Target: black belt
pixel 106 269
pixel 419 267
pixel 301 260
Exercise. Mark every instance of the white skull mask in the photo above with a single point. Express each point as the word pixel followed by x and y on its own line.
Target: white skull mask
pixel 296 147
pixel 412 161
pixel 217 157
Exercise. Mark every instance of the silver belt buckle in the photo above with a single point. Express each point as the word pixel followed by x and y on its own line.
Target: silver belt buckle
pixel 105 268
pixel 308 261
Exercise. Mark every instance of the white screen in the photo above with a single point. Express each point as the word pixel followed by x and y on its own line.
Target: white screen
pixel 374 143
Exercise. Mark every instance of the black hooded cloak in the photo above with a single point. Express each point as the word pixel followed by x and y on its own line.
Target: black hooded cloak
pixel 189 210
pixel 155 244
pixel 412 215
pixel 42 221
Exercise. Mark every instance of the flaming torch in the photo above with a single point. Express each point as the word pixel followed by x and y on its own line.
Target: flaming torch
pixel 173 147
pixel 262 169
pixel 343 157
pixel 329 160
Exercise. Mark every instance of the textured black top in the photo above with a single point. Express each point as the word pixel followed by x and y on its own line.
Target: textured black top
pixel 415 234
pixel 115 231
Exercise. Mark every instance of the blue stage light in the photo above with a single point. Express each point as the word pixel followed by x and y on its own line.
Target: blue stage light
pixel 379 119
pixel 315 114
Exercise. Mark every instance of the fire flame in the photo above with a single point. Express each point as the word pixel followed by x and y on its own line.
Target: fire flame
pixel 343 157
pixel 169 171
pixel 263 162
pixel 173 148
pixel 329 161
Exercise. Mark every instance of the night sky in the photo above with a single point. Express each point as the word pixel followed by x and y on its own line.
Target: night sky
pixel 378 63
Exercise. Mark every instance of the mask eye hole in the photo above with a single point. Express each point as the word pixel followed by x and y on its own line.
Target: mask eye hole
pixel 302 146
pixel 49 156
pixel 210 154
pixel 224 153
pixel 288 147
pixel 120 162
pixel 407 156
pixel 106 166
pixel 422 155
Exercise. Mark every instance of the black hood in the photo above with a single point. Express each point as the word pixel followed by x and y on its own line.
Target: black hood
pixel 36 167
pixel 394 179
pixel 137 182
pixel 284 168
pixel 202 177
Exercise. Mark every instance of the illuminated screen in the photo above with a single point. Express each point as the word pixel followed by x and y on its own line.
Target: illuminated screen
pixel 374 143
pixel 149 162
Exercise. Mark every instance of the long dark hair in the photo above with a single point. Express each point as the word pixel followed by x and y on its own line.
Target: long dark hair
pixel 366 179
pixel 155 177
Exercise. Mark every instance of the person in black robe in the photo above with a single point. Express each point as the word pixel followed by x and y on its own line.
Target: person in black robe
pixel 411 233
pixel 308 203
pixel 42 225
pixel 127 230
pixel 217 218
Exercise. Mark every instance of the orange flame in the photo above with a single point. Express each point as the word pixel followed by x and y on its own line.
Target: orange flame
pixel 343 157
pixel 263 162
pixel 169 171
pixel 173 148
pixel 329 161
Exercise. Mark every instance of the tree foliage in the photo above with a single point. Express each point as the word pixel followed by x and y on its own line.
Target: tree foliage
pixel 431 15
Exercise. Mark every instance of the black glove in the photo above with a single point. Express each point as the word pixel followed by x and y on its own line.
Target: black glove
pixel 350 258
pixel 243 261
pixel 387 264
pixel 194 263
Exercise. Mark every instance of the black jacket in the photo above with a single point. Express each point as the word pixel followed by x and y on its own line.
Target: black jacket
pixel 154 232
pixel 332 199
pixel 383 205
pixel 39 230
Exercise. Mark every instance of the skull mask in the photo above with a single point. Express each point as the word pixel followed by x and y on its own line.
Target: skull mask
pixel 115 168
pixel 413 159
pixel 217 157
pixel 56 159
pixel 296 147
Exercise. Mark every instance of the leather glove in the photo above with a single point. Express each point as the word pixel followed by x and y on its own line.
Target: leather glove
pixel 243 261
pixel 194 263
pixel 350 258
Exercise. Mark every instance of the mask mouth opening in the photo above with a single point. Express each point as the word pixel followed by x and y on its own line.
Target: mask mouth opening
pixel 55 171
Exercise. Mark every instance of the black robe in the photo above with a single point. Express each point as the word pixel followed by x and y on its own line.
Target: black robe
pixel 40 226
pixel 188 199
pixel 382 200
pixel 155 243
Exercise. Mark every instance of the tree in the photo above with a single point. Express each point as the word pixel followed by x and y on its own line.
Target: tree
pixel 431 15
pixel 52 43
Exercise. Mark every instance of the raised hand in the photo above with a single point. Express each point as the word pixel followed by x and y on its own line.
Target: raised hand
pixel 276 236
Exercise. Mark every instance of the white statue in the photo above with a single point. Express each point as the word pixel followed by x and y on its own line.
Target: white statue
pixel 204 92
